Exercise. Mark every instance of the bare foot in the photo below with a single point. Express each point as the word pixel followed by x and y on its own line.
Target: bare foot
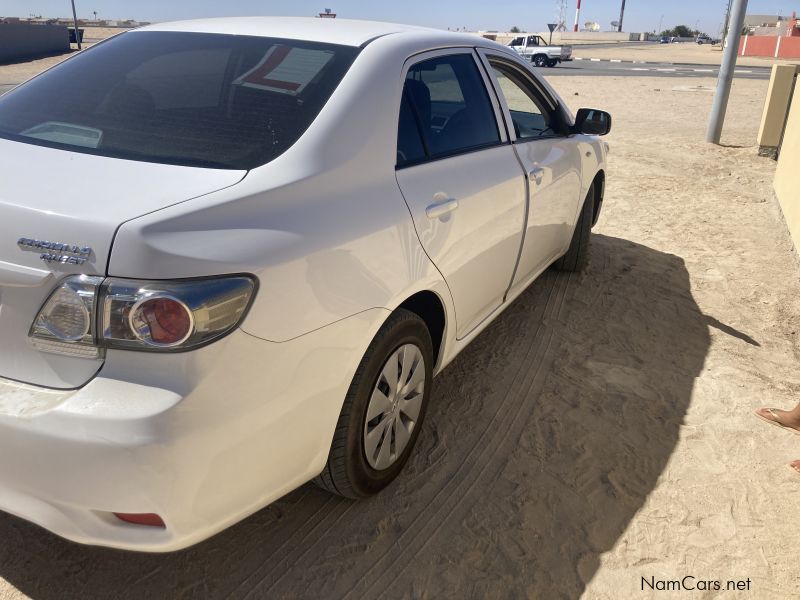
pixel 781 418
pixel 795 464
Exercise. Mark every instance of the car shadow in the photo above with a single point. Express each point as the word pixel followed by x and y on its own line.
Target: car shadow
pixel 543 440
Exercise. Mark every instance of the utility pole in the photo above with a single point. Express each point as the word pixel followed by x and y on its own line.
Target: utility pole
pixel 660 23
pixel 75 20
pixel 621 15
pixel 577 16
pixel 720 106
pixel 727 22
pixel 561 15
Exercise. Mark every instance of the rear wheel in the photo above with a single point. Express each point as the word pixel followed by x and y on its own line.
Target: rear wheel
pixel 383 410
pixel 540 60
pixel 552 62
pixel 577 256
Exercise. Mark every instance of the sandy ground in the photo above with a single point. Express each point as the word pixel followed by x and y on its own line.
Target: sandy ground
pixel 599 432
pixel 687 52
pixel 101 33
pixel 22 71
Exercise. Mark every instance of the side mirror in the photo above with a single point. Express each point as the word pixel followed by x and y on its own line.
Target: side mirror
pixel 591 121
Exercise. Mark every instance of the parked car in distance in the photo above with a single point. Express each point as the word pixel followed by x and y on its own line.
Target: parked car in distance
pixel 273 234
pixel 705 39
pixel 664 39
pixel 539 52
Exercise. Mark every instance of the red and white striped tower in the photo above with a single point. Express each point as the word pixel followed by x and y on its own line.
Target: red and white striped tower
pixel 577 15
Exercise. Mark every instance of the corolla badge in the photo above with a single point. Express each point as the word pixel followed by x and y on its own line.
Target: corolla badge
pixel 56 252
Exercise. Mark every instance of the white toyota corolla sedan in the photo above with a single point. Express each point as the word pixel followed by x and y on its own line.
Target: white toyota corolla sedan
pixel 235 252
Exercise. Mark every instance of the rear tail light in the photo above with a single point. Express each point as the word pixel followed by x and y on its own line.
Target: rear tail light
pixel 85 314
pixel 66 323
pixel 161 320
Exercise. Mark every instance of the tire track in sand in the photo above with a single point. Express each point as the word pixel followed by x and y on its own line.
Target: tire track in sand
pixel 305 528
pixel 450 499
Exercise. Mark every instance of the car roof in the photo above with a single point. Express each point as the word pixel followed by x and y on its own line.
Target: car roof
pixel 347 32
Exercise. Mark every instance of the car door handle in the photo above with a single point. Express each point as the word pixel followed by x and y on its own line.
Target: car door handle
pixel 536 175
pixel 436 210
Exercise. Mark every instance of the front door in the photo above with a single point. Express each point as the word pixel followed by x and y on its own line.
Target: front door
pixel 551 160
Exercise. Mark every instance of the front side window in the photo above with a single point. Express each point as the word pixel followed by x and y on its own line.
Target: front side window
pixel 530 118
pixel 450 105
pixel 194 99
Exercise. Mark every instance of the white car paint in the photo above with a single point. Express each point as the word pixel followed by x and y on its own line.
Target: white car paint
pixel 337 238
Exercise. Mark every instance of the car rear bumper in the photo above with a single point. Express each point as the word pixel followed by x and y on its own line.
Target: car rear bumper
pixel 201 438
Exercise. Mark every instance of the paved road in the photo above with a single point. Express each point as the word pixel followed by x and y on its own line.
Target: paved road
pixel 613 45
pixel 620 69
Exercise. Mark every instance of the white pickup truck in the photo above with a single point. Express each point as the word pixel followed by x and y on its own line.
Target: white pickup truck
pixel 540 53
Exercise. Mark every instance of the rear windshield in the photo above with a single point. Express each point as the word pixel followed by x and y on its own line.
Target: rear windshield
pixel 194 99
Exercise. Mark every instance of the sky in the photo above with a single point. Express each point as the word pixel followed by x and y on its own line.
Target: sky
pixel 530 15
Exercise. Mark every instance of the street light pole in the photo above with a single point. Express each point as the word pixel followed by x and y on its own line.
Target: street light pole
pixel 75 20
pixel 621 15
pixel 720 106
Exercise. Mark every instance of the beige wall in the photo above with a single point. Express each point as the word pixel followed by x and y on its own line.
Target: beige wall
pixel 787 174
pixel 773 118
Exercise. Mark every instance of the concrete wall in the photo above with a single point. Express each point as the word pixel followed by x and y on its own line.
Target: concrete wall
pixel 21 42
pixel 776 109
pixel 787 173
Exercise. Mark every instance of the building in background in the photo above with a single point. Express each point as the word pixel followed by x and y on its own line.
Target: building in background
pixel 775 25
pixel 776 38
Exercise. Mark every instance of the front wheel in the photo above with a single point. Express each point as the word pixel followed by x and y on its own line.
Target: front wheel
pixel 383 410
pixel 540 60
pixel 577 255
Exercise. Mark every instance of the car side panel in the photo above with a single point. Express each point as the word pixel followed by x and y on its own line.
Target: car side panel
pixel 477 245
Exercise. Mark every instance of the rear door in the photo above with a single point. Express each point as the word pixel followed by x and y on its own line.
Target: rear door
pixel 461 179
pixel 551 160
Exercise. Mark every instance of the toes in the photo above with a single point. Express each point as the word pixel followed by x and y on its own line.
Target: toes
pixel 771 414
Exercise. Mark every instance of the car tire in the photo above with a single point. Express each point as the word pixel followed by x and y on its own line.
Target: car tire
pixel 540 60
pixel 349 471
pixel 577 255
pixel 552 62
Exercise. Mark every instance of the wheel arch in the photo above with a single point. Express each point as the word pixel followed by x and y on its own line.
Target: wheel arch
pixel 599 183
pixel 429 307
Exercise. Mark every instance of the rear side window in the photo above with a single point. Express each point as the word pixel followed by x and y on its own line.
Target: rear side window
pixel 450 105
pixel 410 148
pixel 195 99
